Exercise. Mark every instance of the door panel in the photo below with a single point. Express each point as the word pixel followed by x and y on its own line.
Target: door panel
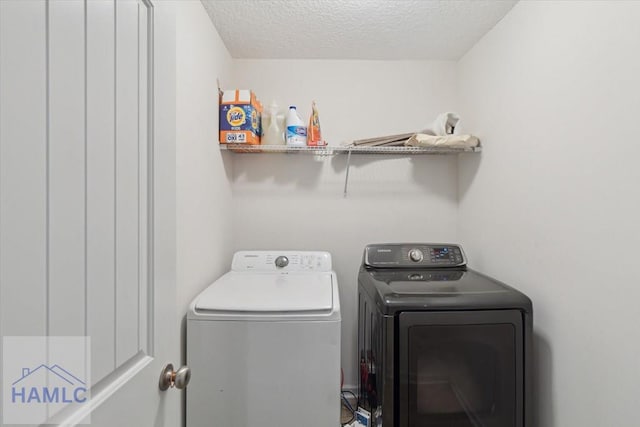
pixel 100 186
pixel 66 175
pixel 87 212
pixel 127 183
pixel 23 173
pixel 144 145
pixel 23 168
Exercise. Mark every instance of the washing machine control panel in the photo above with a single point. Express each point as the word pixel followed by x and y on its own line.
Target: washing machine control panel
pixel 414 255
pixel 283 261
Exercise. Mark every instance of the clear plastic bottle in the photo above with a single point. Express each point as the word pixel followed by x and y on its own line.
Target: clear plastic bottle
pixel 273 132
pixel 296 135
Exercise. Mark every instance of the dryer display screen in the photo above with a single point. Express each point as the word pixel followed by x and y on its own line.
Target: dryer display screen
pixel 441 253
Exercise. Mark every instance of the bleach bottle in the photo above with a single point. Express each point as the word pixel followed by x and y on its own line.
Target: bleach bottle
pixel 296 134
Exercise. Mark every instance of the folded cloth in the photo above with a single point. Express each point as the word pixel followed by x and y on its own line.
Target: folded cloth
pixel 452 141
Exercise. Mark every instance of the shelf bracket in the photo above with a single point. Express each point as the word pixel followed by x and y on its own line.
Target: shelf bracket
pixel 346 175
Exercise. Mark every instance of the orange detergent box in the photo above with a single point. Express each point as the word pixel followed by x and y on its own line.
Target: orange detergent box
pixel 240 113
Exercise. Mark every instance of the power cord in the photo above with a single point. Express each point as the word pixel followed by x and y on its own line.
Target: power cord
pixel 348 406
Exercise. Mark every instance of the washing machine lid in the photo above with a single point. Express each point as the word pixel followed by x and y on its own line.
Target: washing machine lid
pixel 243 292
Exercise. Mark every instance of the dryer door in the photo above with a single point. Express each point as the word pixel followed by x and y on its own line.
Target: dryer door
pixel 462 368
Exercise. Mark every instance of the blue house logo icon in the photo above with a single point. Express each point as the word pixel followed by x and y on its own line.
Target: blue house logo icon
pixel 48 384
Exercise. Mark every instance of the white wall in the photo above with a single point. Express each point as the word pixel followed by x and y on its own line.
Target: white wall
pixel 292 201
pixel 552 204
pixel 553 93
pixel 203 198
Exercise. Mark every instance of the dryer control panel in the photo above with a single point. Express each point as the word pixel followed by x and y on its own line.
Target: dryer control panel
pixel 414 255
pixel 281 261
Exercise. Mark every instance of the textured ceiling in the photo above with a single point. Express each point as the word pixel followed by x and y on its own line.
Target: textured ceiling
pixel 354 29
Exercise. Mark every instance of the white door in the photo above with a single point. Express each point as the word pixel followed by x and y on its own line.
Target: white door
pixel 87 199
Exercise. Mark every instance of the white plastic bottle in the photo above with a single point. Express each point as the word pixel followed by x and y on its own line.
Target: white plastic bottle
pixel 274 132
pixel 296 134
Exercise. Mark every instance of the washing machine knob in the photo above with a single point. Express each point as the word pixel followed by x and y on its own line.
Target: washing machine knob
pixel 415 255
pixel 282 261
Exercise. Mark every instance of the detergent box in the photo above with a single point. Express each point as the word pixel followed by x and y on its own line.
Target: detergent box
pixel 240 114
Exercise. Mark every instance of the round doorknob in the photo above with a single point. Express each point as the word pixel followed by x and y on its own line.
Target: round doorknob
pixel 182 377
pixel 178 379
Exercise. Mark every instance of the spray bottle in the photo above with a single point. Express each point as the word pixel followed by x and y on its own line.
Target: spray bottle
pixel 273 132
pixel 314 136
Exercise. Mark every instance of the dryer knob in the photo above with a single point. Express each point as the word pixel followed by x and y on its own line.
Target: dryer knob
pixel 415 255
pixel 282 261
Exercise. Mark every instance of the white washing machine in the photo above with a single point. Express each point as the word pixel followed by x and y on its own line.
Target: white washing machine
pixel 263 344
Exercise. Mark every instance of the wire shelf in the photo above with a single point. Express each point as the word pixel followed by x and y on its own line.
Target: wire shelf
pixel 336 150
pixel 348 150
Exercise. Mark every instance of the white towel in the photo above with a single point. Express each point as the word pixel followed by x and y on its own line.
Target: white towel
pixel 453 141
